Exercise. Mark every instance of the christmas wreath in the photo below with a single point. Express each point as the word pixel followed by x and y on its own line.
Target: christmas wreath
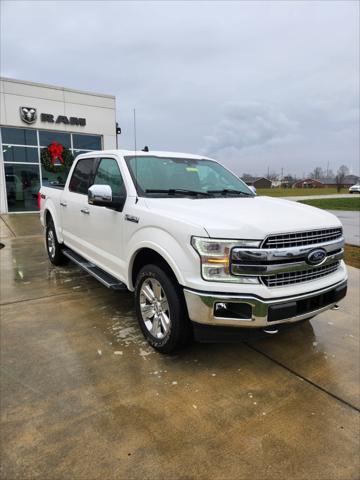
pixel 56 158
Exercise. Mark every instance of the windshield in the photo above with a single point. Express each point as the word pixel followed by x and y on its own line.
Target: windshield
pixel 161 176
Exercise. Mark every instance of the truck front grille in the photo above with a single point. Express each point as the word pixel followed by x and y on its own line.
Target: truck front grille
pixel 289 278
pixel 299 239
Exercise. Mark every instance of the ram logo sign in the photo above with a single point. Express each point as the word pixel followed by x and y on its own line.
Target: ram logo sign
pixel 28 114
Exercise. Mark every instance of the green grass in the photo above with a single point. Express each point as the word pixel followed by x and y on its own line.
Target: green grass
pixel 297 192
pixel 352 204
pixel 352 255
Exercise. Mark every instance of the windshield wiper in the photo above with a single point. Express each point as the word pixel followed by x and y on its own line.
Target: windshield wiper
pixel 174 191
pixel 225 191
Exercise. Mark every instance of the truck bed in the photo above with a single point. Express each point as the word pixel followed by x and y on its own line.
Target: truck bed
pixel 57 185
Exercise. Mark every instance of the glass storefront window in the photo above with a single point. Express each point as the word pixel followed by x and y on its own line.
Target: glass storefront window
pixel 22 187
pixel 52 177
pixel 20 147
pixel 47 137
pixel 20 154
pixel 18 136
pixel 78 152
pixel 86 142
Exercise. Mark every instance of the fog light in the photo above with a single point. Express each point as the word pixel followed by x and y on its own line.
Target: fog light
pixel 239 311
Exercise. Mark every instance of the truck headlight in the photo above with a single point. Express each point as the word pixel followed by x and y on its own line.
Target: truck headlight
pixel 215 258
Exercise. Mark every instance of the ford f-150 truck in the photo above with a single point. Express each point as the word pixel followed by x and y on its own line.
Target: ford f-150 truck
pixel 202 253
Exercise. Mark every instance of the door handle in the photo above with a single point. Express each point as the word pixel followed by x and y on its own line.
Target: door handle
pixel 85 210
pixel 63 204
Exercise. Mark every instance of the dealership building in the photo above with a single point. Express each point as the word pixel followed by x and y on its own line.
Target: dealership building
pixel 34 117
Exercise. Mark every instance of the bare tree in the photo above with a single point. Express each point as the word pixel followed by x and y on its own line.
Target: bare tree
pixel 330 174
pixel 317 173
pixel 341 174
pixel 247 176
pixel 272 175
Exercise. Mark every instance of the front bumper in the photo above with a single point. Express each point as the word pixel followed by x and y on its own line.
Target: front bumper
pixel 248 311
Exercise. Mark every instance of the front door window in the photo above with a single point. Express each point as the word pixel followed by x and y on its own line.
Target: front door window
pixel 108 173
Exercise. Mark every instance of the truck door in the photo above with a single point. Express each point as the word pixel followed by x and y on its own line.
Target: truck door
pixel 74 207
pixel 104 226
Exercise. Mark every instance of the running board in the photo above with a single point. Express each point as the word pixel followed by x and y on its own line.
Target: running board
pixel 105 278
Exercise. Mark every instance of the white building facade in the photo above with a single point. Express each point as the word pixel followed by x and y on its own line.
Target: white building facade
pixel 33 117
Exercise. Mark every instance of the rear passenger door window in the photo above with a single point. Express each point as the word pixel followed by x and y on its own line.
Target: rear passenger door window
pixel 74 206
pixel 81 177
pixel 108 173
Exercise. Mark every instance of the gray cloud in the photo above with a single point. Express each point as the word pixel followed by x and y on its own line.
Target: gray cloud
pixel 256 84
pixel 249 125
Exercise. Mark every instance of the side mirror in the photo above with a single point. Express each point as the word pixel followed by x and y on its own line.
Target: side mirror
pixel 253 189
pixel 100 195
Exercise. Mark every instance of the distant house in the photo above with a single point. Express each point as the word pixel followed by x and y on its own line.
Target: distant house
pixel 276 183
pixel 260 182
pixel 326 182
pixel 287 182
pixel 310 183
pixel 350 180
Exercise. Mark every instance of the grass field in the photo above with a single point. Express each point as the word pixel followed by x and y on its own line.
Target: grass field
pixel 352 204
pixel 352 256
pixel 295 192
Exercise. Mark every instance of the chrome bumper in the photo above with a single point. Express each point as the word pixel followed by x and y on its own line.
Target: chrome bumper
pixel 202 307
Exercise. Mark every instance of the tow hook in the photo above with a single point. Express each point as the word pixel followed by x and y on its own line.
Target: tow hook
pixel 335 307
pixel 270 330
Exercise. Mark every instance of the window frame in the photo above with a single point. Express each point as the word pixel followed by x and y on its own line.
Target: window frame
pixel 97 163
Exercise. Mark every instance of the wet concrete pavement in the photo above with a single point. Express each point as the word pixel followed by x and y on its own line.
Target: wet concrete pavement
pixel 84 397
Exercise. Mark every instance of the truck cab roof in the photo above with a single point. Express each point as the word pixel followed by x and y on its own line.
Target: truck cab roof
pixel 141 153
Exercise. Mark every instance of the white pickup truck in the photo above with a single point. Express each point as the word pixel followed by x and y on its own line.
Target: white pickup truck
pixel 204 255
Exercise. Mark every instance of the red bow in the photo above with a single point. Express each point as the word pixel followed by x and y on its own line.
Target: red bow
pixel 56 150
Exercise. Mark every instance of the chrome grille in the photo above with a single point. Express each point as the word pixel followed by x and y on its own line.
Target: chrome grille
pixel 299 239
pixel 289 278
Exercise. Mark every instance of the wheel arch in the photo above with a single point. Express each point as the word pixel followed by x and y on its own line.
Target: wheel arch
pixel 147 255
pixel 49 215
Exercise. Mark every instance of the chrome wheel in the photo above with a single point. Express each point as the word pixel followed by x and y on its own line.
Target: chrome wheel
pixel 154 308
pixel 51 243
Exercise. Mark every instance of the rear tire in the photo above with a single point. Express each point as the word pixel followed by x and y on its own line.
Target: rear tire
pixel 53 247
pixel 161 310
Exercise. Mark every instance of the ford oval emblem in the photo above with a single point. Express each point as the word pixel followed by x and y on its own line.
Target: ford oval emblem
pixel 316 256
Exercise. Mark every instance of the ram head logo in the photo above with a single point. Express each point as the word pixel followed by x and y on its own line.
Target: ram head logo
pixel 28 114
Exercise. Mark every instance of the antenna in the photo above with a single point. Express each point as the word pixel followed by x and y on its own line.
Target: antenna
pixel 135 130
pixel 136 177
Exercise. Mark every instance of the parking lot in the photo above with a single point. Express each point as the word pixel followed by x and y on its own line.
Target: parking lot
pixel 84 397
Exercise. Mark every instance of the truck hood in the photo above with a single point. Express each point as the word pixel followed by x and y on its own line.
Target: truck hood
pixel 247 218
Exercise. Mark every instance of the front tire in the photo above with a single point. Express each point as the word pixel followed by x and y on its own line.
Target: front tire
pixel 53 247
pixel 160 309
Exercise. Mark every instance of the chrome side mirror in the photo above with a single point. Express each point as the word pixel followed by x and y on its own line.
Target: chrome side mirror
pixel 253 189
pixel 100 195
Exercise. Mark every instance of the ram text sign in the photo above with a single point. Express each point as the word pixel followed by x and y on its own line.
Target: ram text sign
pixel 29 116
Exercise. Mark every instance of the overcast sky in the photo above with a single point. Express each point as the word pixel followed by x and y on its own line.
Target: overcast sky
pixel 255 85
